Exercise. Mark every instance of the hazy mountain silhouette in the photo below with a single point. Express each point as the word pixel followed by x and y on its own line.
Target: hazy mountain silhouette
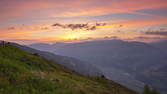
pixel 75 64
pixel 121 60
pixel 22 72
pixel 161 45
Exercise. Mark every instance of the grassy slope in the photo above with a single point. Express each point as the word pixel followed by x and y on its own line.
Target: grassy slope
pixel 24 73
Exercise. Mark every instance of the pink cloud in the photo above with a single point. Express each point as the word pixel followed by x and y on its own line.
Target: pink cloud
pixel 58 8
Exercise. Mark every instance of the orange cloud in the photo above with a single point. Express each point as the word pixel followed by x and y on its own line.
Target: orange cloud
pixel 14 12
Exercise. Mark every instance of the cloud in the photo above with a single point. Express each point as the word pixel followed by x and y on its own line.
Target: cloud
pixel 161 33
pixel 23 41
pixel 27 28
pixel 80 26
pixel 120 25
pixel 38 11
pixel 146 38
pixel 44 28
pixel 11 28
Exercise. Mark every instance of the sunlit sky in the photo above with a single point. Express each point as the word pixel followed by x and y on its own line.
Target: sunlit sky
pixel 32 21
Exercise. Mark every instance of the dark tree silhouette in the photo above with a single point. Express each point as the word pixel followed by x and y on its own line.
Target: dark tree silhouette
pixel 154 91
pixel 102 76
pixel 36 54
pixel 148 90
pixel 3 43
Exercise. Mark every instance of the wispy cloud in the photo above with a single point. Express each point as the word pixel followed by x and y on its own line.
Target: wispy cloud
pixel 39 17
pixel 86 26
pixel 59 8
pixel 11 28
pixel 161 33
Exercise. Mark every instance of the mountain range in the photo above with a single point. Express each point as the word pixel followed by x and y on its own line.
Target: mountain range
pixel 130 63
pixel 73 63
pixel 22 72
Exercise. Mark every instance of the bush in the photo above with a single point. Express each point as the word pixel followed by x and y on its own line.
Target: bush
pixel 148 90
pixel 36 54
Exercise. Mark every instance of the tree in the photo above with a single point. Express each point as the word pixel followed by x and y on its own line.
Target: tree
pixel 148 90
pixel 3 43
pixel 36 54
pixel 154 91
pixel 102 76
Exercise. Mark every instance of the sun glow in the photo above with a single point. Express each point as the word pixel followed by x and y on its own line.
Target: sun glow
pixel 75 35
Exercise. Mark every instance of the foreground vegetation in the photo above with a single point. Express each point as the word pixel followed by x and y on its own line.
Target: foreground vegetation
pixel 25 73
pixel 148 90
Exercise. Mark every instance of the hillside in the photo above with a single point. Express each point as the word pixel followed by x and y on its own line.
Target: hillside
pixel 25 73
pixel 129 63
pixel 82 67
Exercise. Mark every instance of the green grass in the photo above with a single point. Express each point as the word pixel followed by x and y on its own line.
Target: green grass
pixel 25 73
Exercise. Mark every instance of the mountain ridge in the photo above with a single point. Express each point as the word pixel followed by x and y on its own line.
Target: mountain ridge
pixel 142 61
pixel 26 73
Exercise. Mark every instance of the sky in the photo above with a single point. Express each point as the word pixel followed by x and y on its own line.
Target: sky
pixel 34 21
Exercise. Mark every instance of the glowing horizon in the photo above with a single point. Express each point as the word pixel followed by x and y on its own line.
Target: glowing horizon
pixel 34 21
